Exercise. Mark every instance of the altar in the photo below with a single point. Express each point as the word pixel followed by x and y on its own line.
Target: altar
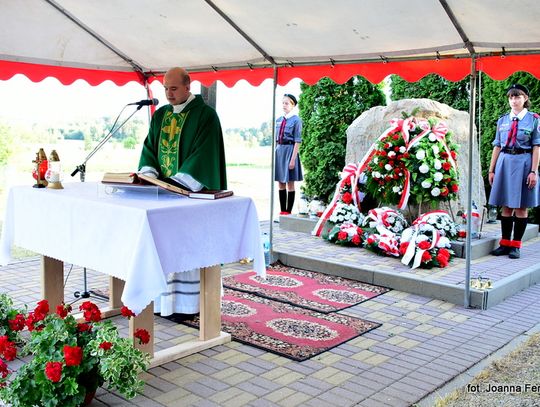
pixel 137 239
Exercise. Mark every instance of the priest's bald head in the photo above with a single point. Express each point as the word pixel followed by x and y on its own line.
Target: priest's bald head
pixel 177 85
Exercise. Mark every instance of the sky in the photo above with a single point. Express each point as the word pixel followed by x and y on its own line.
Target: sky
pixel 50 102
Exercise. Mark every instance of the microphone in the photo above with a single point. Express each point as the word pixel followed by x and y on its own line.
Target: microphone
pixel 146 102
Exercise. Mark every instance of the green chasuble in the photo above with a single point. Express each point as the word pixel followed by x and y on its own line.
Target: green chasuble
pixel 189 142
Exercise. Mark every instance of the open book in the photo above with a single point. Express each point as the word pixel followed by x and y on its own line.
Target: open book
pixel 169 185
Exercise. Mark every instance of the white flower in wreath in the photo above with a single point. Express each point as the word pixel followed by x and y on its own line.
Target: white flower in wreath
pixel 437 164
pixel 420 154
pixel 390 220
pixel 435 149
pixel 423 168
pixel 426 184
pixel 375 160
pixel 437 176
pixel 432 137
pixel 376 174
pixel 402 149
pixel 391 154
pixel 435 191
pixel 388 167
pixel 396 189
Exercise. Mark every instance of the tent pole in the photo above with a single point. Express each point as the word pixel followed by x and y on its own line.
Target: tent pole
pixel 272 172
pixel 472 111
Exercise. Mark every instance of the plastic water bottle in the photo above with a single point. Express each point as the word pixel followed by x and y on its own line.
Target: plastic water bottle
pixel 266 248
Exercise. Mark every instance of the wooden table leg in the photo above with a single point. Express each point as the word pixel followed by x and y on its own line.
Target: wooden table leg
pixel 52 281
pixel 210 303
pixel 116 287
pixel 144 320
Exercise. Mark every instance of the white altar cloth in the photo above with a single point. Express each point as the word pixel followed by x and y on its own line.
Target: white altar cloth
pixel 132 236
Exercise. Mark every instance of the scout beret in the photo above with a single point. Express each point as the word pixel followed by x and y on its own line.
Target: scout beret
pixel 519 87
pixel 288 95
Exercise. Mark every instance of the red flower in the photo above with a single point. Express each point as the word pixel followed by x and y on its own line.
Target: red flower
pixel 91 312
pixel 444 191
pixel 426 256
pixel 424 245
pixel 382 153
pixel 453 154
pixel 371 239
pixel 42 307
pixel 347 181
pixel 126 312
pixel 3 369
pixel 381 164
pixel 444 253
pixel 406 155
pixel 442 260
pixel 443 154
pixel 462 233
pixel 17 323
pixel 105 345
pixel 403 248
pixel 395 136
pixel 32 319
pixel 454 187
pixel 342 235
pixel 84 327
pixel 142 335
pixel 10 353
pixel 356 240
pixel 63 310
pixel 396 149
pixel 73 355
pixel 347 198
pixel 446 166
pixel 53 371
pixel 359 230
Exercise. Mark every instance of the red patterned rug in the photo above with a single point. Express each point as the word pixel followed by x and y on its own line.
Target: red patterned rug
pixel 307 289
pixel 293 332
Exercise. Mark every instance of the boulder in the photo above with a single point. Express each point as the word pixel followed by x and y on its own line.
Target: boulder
pixel 365 130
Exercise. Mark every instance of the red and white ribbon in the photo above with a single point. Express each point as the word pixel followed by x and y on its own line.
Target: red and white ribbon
pixel 349 173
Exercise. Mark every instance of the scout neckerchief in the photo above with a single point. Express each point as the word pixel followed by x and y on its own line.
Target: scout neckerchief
pixel 512 133
pixel 169 138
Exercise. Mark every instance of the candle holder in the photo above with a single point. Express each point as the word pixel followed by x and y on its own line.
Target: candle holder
pixel 54 172
pixel 39 169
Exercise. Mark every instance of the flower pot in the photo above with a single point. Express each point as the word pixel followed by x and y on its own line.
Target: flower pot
pixel 88 398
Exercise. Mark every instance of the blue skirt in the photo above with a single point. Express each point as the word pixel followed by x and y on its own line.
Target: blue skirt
pixel 510 183
pixel 282 159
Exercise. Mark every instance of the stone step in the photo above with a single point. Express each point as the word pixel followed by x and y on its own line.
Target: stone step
pixel 489 237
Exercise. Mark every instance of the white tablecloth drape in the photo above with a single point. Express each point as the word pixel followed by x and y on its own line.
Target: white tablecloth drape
pixel 137 237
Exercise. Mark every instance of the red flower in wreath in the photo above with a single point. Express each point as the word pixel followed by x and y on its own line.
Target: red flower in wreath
pixel 342 236
pixel 53 371
pixel 347 198
pixel 3 369
pixel 426 256
pixel 424 245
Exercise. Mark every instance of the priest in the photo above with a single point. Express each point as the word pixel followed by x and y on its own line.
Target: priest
pixel 185 144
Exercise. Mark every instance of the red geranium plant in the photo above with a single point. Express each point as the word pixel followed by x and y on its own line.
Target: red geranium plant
pixel 71 359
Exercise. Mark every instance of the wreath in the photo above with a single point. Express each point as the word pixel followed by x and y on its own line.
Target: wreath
pixel 414 159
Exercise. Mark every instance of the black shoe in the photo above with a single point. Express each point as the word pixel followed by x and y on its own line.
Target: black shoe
pixel 514 253
pixel 501 251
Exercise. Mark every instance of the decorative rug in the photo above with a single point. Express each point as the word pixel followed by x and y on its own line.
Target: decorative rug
pixel 294 332
pixel 307 289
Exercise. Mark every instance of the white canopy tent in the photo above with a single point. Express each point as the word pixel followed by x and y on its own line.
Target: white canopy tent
pixel 229 40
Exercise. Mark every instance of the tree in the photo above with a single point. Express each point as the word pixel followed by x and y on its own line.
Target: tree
pixel 326 110
pixel 434 87
pixel 6 146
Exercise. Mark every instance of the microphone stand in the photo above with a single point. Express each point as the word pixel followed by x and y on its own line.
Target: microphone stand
pixel 81 169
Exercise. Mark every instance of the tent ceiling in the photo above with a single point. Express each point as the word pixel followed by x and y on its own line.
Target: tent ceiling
pixel 233 39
